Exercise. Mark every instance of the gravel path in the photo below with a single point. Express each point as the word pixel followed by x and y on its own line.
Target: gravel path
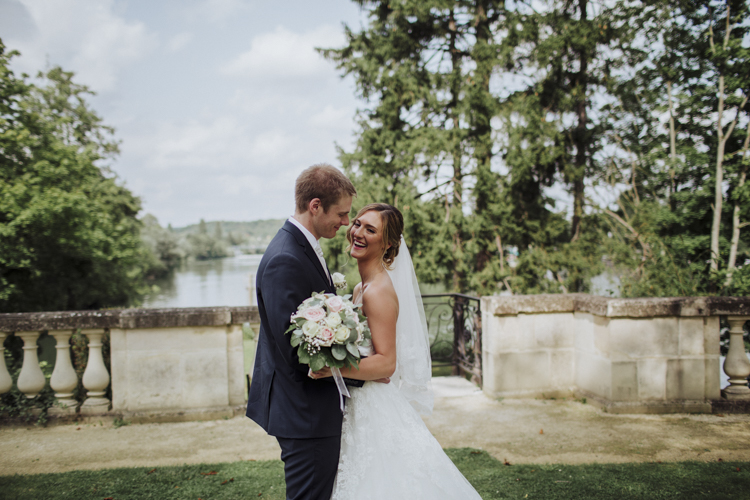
pixel 521 431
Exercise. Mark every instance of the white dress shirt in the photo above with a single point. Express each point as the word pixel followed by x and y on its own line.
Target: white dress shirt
pixel 314 243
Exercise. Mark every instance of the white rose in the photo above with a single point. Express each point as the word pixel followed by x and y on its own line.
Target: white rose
pixel 342 334
pixel 333 320
pixel 339 280
pixel 310 329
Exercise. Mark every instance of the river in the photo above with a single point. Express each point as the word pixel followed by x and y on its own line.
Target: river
pixel 207 283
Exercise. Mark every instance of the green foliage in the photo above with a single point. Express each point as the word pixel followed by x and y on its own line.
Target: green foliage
pixel 165 251
pixel 579 104
pixel 69 236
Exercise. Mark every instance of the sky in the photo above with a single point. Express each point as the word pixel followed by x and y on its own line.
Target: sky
pixel 218 104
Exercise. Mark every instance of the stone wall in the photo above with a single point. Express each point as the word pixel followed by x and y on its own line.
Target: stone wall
pixel 627 355
pixel 163 361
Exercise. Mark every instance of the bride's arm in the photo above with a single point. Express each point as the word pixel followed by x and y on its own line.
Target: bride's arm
pixel 381 309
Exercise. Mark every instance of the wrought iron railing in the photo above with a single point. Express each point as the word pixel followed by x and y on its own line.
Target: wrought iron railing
pixel 454 322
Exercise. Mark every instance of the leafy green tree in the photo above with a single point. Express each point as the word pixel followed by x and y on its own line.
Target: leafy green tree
pixel 693 69
pixel 166 254
pixel 69 236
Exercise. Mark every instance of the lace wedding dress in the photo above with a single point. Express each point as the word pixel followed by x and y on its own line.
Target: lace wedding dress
pixel 387 452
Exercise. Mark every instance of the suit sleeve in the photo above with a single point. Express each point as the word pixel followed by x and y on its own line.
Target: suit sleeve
pixel 284 286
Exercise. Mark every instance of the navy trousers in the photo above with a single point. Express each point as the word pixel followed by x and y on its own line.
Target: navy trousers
pixel 310 466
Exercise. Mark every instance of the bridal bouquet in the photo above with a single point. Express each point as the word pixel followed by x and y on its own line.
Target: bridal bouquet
pixel 329 330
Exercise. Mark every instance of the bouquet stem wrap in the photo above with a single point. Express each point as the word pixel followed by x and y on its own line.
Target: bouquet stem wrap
pixel 341 386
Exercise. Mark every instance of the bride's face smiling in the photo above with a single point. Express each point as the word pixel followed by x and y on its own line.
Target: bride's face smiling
pixel 367 236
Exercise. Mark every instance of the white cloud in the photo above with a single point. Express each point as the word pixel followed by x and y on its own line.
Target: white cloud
pixel 178 42
pixel 85 36
pixel 215 10
pixel 284 54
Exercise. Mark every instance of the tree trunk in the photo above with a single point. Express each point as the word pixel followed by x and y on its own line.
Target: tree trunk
pixel 718 192
pixel 482 130
pixel 731 265
pixel 672 148
pixel 580 86
pixel 457 153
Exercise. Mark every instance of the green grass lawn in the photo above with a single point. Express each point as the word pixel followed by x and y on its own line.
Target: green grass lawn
pixel 493 480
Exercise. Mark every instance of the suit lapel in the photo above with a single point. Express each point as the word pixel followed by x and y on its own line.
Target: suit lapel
pixel 308 250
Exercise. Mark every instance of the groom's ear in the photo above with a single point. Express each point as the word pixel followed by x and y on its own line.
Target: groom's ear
pixel 314 206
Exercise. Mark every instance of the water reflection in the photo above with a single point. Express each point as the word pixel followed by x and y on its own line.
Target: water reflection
pixel 207 283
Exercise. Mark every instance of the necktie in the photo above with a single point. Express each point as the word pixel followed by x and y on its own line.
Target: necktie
pixel 319 253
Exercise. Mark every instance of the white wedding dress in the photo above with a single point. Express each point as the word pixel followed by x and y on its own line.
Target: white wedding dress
pixel 387 452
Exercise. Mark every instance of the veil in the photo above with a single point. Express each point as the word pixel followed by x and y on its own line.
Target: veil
pixel 413 364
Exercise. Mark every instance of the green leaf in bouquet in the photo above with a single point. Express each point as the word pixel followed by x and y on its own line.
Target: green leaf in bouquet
pixel 350 323
pixel 347 296
pixel 352 336
pixel 338 351
pixel 352 348
pixel 291 328
pixel 296 339
pixel 304 357
pixel 317 362
pixel 353 362
pixel 328 357
pixel 300 321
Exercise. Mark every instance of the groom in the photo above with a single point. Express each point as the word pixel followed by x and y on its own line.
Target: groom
pixel 303 414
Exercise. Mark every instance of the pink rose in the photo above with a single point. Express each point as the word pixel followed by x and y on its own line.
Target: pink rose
pixel 314 314
pixel 325 335
pixel 335 304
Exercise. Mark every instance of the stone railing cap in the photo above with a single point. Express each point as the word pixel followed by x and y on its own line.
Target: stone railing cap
pixel 128 318
pixel 616 307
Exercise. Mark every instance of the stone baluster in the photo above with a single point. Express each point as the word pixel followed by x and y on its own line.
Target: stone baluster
pixel 95 377
pixel 736 364
pixel 64 378
pixel 31 379
pixel 6 383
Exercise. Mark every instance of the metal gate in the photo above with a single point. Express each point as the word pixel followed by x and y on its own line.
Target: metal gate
pixel 454 322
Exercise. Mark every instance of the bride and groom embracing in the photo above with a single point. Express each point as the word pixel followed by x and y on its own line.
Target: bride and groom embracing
pixel 379 448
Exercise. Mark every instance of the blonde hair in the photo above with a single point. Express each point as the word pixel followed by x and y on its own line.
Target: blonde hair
pixel 322 181
pixel 393 228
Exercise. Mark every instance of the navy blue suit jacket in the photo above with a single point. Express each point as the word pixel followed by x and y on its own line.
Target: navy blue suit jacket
pixel 283 400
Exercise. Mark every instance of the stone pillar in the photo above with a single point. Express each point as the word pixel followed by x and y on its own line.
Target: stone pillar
pixel 95 377
pixel 235 366
pixel 6 382
pixel 31 379
pixel 736 365
pixel 64 379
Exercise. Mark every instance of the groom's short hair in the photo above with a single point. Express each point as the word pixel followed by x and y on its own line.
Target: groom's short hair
pixel 322 181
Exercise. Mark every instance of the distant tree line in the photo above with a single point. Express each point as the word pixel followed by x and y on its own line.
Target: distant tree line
pixel 533 146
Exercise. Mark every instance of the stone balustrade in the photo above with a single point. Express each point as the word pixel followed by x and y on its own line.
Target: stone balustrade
pixel 657 355
pixel 166 364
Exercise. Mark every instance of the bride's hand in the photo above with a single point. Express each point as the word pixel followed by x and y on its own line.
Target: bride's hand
pixel 322 373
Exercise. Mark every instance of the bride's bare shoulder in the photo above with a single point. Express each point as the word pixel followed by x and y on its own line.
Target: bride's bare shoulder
pixel 380 294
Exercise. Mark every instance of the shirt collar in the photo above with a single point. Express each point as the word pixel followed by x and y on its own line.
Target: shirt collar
pixel 310 238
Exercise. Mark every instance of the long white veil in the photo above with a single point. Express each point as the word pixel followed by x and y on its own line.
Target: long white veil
pixel 413 364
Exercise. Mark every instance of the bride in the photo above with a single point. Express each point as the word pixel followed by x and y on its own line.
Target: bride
pixel 386 449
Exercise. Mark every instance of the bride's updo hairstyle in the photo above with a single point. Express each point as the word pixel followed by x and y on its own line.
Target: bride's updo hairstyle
pixel 393 227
